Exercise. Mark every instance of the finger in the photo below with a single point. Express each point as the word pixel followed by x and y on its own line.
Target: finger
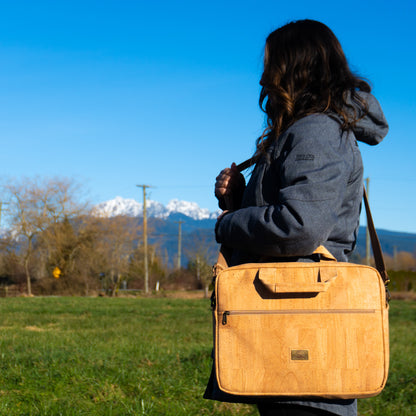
pixel 225 180
pixel 222 190
pixel 220 193
pixel 222 179
pixel 225 171
pixel 233 177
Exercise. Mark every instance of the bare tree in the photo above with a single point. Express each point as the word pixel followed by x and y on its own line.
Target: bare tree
pixel 36 209
pixel 404 260
pixel 156 266
pixel 201 251
pixel 115 247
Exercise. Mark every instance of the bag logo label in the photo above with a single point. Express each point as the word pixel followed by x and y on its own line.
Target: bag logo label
pixel 299 355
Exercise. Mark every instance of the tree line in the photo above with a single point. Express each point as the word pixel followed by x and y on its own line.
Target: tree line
pixel 53 242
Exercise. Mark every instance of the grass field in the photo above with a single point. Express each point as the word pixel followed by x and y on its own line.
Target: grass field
pixel 142 356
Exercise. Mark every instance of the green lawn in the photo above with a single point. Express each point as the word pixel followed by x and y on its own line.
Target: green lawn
pixel 142 356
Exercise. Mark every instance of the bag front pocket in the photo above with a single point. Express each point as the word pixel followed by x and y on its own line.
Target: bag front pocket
pixel 301 352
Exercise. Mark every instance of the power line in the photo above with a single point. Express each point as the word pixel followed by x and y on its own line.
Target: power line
pixel 185 186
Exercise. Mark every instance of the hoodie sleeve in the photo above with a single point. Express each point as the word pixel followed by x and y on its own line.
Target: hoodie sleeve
pixel 314 172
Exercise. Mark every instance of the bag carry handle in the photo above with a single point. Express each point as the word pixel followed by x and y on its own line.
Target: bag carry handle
pixel 375 242
pixel 315 279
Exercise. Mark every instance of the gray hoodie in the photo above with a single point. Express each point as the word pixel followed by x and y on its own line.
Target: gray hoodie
pixel 305 192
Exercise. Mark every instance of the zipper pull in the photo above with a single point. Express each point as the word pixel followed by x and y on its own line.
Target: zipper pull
pixel 224 317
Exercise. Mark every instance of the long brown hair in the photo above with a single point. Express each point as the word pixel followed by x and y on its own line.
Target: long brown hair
pixel 306 72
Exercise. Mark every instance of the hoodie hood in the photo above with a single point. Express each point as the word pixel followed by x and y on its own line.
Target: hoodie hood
pixel 372 128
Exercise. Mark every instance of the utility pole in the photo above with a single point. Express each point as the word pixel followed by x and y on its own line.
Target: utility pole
pixel 367 234
pixel 146 265
pixel 179 243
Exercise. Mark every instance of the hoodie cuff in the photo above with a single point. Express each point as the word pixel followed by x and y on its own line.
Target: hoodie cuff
pixel 217 225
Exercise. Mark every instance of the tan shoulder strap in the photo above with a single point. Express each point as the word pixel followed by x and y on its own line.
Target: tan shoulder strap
pixel 375 242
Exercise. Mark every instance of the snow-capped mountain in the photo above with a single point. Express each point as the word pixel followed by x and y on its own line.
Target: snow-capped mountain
pixel 132 208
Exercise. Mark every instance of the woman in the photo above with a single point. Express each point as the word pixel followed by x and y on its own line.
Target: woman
pixel 306 187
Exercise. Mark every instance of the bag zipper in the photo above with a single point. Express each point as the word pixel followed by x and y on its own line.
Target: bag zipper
pixel 225 314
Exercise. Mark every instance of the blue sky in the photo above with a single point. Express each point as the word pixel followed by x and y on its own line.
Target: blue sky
pixel 165 93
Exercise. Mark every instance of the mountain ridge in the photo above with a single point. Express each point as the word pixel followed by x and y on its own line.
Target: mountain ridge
pixel 132 208
pixel 194 219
